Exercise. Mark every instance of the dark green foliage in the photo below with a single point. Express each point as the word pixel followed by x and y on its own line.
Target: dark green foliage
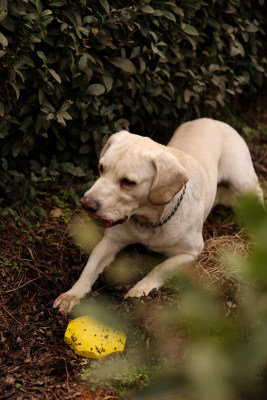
pixel 73 72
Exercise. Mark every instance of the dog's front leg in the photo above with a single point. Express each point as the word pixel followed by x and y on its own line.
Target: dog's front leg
pixel 102 255
pixel 160 274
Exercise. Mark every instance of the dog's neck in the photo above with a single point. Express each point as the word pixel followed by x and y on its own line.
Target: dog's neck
pixel 160 215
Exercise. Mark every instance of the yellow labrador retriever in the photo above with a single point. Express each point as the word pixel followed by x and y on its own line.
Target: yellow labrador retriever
pixel 160 196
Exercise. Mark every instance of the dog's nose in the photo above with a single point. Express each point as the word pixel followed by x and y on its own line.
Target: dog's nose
pixel 90 204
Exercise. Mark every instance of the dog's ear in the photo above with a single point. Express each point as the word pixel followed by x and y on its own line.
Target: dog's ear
pixel 169 178
pixel 107 146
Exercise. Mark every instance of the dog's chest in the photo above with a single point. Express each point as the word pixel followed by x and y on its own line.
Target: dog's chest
pixel 157 239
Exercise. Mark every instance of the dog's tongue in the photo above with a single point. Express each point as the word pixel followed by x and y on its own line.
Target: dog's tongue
pixel 106 221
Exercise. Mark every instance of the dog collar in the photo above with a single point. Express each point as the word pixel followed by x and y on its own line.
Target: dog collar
pixel 166 219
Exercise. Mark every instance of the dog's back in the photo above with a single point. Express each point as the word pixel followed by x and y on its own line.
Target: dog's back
pixel 221 151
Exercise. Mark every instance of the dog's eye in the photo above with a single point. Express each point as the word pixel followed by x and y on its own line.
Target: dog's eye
pixel 127 182
pixel 100 168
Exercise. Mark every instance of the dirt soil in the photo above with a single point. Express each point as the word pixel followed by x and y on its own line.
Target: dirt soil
pixel 38 262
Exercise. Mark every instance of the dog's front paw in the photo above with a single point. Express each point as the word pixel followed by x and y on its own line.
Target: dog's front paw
pixel 66 301
pixel 142 288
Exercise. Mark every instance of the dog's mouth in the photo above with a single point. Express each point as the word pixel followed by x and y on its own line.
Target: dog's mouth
pixel 107 222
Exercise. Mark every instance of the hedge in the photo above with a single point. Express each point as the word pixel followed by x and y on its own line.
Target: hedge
pixel 74 72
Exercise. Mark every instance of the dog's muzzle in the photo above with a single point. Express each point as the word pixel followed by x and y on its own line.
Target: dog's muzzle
pixel 92 206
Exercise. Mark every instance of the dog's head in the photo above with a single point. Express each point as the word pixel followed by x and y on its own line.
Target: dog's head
pixel 134 171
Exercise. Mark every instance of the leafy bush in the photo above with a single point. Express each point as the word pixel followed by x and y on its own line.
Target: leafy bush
pixel 73 72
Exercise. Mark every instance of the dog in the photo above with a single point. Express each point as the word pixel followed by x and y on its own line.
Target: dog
pixel 160 196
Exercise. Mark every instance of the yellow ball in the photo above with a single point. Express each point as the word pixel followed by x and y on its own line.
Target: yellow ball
pixel 90 338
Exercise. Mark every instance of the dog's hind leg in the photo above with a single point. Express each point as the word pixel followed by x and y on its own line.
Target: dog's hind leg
pixel 225 196
pixel 246 183
pixel 236 168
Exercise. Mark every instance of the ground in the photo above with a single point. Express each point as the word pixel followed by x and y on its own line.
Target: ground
pixel 39 261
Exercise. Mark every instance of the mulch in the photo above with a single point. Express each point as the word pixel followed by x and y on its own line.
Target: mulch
pixel 38 262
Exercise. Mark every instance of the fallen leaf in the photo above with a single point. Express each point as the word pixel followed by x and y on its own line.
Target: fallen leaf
pixel 56 212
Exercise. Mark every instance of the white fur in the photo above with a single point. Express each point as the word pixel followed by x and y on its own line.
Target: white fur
pixel 201 153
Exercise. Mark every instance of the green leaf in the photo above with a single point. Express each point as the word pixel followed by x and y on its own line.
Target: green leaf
pixel 84 149
pixel 50 116
pixel 71 169
pixel 20 74
pixel 55 75
pixel 46 13
pixel 84 31
pixel 16 88
pixel 124 64
pixel 108 81
pixel 3 134
pixel 46 21
pixel 65 115
pixel 187 95
pixel 147 9
pixel 4 164
pixel 251 28
pixel 214 67
pixel 157 13
pixel 39 6
pixel 142 65
pixel 95 89
pixel 169 15
pixel 84 135
pixel 3 13
pixel 178 11
pixel 60 120
pixel 189 29
pixel 78 33
pixel 89 19
pixel 41 55
pixel 105 5
pixel 3 40
pixel 83 62
pixel 240 47
pixel 30 16
pixel 234 51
